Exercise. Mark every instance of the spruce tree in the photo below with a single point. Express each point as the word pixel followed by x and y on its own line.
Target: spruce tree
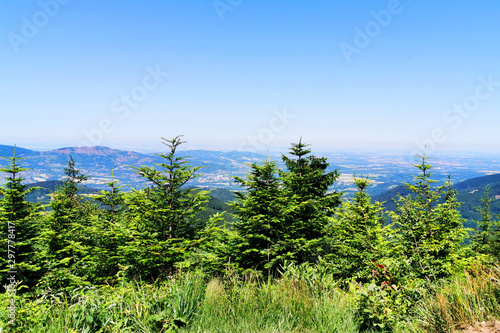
pixel 163 214
pixel 307 203
pixel 217 248
pixel 429 230
pixel 486 238
pixel 19 220
pixel 109 225
pixel 112 200
pixel 357 236
pixel 260 221
pixel 284 214
pixel 65 237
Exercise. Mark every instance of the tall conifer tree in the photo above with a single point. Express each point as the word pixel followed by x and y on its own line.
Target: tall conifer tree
pixel 67 242
pixel 358 236
pixel 19 220
pixel 163 214
pixel 108 230
pixel 284 214
pixel 485 240
pixel 429 231
pixel 260 221
pixel 308 203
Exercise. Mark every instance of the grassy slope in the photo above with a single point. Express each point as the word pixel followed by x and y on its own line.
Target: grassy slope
pixel 191 303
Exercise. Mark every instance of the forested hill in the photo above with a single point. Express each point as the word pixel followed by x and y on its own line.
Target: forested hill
pixel 21 152
pixel 387 169
pixel 218 167
pixel 218 202
pixel 469 194
pixel 43 189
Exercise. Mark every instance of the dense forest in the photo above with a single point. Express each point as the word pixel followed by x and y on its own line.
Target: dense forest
pixel 286 255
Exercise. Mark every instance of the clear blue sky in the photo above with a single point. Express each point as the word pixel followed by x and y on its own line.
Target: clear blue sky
pixel 67 67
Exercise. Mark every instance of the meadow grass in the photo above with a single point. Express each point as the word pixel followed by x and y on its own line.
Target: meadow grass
pixel 294 303
pixel 281 306
pixel 188 303
pixel 473 296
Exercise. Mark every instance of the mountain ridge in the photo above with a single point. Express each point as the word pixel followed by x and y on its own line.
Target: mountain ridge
pixel 469 194
pixel 220 167
pixel 98 162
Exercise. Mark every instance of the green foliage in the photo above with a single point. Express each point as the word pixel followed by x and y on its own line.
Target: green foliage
pixel 162 215
pixel 108 226
pixel 429 233
pixel 19 226
pixel 467 298
pixel 260 221
pixel 283 214
pixel 167 208
pixel 469 194
pixel 14 191
pixel 112 200
pixel 213 251
pixel 375 308
pixel 317 277
pixel 308 204
pixel 187 296
pixel 187 303
pixel 295 259
pixel 487 236
pixel 357 236
pixel 217 204
pixel 284 305
pixel 65 240
pixel 388 300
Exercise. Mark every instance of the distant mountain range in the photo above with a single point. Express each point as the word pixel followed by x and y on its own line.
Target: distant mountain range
pixel 469 194
pixel 99 161
pixel 386 169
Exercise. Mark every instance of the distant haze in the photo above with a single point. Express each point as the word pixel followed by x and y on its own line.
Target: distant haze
pixel 341 74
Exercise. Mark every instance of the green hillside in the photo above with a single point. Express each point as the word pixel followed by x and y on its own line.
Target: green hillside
pixel 218 202
pixel 41 194
pixel 469 194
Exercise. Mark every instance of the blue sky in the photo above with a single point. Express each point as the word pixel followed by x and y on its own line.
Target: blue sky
pixel 240 74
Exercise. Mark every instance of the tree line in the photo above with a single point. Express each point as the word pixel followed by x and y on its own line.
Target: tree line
pixel 281 217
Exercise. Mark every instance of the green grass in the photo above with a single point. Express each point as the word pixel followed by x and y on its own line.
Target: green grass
pixel 468 298
pixel 282 306
pixel 188 303
pixel 301 301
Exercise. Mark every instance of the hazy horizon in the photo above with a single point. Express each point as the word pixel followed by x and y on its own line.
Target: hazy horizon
pixel 233 75
pixel 274 150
